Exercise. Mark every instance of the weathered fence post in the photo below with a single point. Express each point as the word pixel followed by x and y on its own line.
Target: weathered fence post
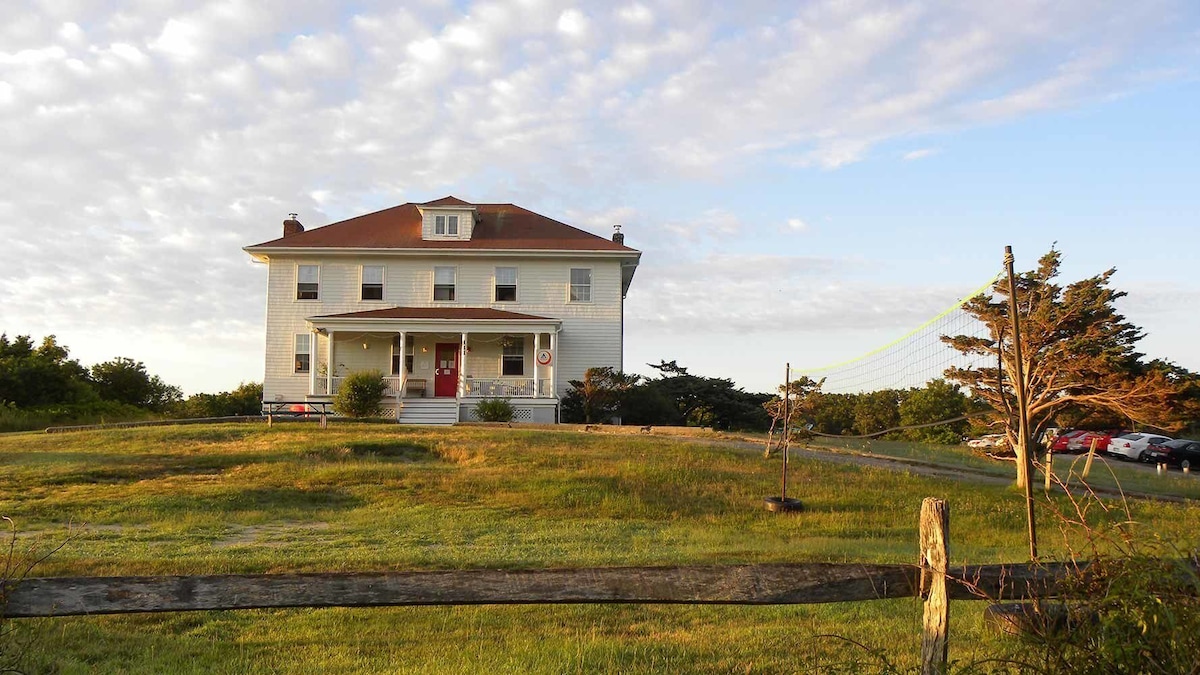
pixel 935 555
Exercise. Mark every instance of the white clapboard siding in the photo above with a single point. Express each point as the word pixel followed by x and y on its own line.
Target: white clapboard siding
pixel 590 337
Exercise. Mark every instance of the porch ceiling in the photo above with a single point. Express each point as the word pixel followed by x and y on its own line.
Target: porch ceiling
pixel 443 313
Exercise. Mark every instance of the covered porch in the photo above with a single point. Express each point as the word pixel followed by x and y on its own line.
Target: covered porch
pixel 429 354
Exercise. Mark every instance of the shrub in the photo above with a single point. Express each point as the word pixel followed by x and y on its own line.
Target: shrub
pixel 494 410
pixel 360 394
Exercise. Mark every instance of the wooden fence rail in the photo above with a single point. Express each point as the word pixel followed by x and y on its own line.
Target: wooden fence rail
pixel 782 584
pixel 762 584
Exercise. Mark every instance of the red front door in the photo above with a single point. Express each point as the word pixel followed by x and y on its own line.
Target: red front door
pixel 445 376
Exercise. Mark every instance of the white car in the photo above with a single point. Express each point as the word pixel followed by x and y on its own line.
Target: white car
pixel 989 441
pixel 1133 446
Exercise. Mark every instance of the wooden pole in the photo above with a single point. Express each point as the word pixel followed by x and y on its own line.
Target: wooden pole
pixel 787 430
pixel 1049 467
pixel 1022 403
pixel 935 555
pixel 1087 466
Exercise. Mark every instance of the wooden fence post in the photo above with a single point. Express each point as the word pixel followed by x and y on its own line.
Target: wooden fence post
pixel 935 555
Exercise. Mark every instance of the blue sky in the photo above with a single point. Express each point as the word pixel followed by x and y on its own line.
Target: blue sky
pixel 807 180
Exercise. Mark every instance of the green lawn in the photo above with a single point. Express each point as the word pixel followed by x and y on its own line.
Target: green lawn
pixel 247 498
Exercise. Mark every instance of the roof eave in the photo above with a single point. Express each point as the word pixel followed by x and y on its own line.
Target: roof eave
pixel 263 252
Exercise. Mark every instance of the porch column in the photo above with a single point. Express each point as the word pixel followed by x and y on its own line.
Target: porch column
pixel 329 367
pixel 554 363
pixel 537 347
pixel 314 359
pixel 462 367
pixel 403 347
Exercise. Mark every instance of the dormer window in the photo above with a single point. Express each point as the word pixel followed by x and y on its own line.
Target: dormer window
pixel 445 226
pixel 447 219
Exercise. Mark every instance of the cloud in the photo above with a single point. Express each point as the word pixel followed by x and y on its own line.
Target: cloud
pixel 796 225
pixel 775 293
pixel 145 148
pixel 919 154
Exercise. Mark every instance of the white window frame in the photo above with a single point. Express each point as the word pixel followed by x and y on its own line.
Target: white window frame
pixel 439 225
pixel 297 353
pixel 408 358
pixel 453 288
pixel 296 296
pixel 515 283
pixel 362 283
pixel 571 285
pixel 520 339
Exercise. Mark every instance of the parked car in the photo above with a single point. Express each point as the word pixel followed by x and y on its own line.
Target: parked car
pixel 1183 453
pixel 988 441
pixel 1133 446
pixel 1083 442
pixel 1061 443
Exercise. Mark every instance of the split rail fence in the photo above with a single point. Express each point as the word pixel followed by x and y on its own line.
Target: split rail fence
pixel 758 584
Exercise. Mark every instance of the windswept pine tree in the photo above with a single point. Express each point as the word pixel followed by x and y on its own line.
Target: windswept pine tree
pixel 1078 354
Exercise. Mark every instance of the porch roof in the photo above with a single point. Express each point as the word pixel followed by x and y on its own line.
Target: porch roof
pixel 436 314
pixel 437 319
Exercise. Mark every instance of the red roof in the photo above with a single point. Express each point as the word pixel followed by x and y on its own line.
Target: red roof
pixel 448 201
pixel 497 226
pixel 445 313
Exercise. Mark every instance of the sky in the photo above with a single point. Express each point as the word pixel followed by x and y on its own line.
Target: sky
pixel 807 180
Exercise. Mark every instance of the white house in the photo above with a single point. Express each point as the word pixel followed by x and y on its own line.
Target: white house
pixel 453 302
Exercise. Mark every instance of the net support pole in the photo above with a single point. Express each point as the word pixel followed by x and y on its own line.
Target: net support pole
pixel 787 430
pixel 1022 402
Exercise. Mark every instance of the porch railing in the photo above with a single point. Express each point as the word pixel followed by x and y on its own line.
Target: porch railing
pixel 476 387
pixel 507 387
pixel 321 386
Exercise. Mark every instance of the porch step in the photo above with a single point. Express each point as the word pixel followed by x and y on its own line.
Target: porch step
pixel 428 411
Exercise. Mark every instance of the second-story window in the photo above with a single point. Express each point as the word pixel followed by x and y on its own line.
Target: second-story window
pixel 445 226
pixel 581 284
pixel 308 282
pixel 372 282
pixel 506 284
pixel 443 283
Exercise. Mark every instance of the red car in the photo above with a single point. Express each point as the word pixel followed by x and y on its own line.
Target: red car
pixel 1060 444
pixel 1083 442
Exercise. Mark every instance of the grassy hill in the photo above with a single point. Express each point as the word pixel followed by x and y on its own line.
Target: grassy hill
pixel 247 498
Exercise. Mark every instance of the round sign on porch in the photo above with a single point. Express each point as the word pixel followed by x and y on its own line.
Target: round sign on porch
pixel 544 357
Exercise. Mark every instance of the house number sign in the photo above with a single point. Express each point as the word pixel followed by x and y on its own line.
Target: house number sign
pixel 544 357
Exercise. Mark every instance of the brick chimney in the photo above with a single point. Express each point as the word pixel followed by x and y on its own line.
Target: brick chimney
pixel 617 236
pixel 292 226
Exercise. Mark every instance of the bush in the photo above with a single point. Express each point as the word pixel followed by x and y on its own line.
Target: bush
pixel 494 410
pixel 360 394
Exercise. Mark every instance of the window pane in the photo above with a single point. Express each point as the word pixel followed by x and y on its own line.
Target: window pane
pixel 452 225
pixel 513 366
pixel 302 358
pixel 372 274
pixel 443 275
pixel 514 346
pixel 443 292
pixel 506 294
pixel 306 282
pixel 581 276
pixel 372 292
pixel 506 276
pixel 439 224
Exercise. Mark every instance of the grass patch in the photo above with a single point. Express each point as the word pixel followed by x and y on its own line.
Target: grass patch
pixel 362 497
